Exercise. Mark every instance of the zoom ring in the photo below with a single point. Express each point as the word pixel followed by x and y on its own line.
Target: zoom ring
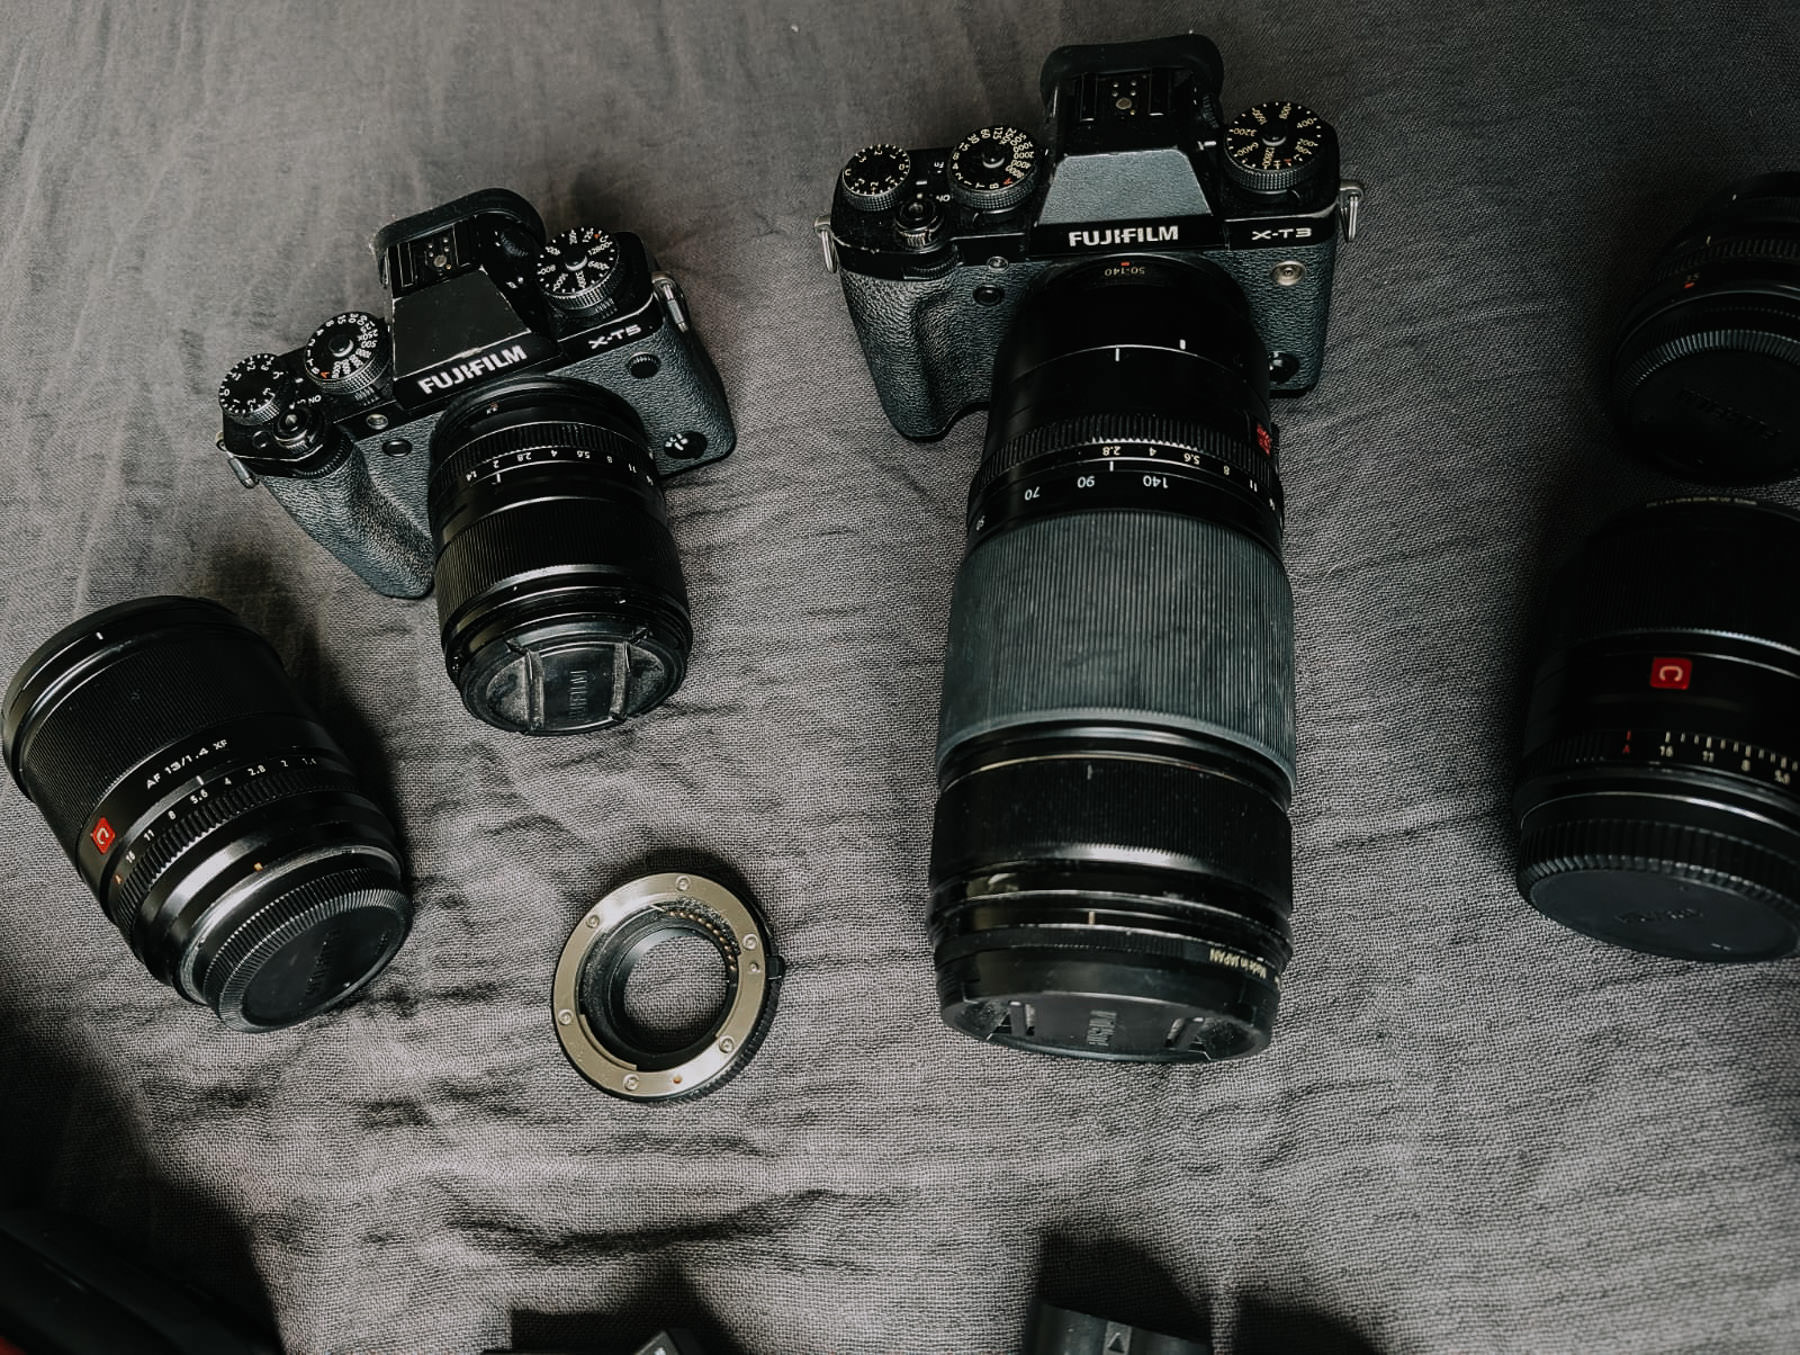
pixel 220 807
pixel 1652 846
pixel 1238 452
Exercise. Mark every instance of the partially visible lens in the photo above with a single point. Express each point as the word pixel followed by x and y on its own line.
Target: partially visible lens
pixel 559 590
pixel 218 823
pixel 1657 804
pixel 1706 379
pixel 1110 867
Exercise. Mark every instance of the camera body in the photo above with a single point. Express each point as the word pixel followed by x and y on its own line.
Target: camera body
pixel 937 247
pixel 340 429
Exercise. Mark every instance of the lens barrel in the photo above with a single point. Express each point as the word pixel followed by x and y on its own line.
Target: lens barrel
pixel 1706 376
pixel 1111 873
pixel 559 590
pixel 1656 803
pixel 220 826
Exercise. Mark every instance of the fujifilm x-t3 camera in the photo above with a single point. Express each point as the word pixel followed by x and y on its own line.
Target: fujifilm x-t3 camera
pixel 506 433
pixel 937 247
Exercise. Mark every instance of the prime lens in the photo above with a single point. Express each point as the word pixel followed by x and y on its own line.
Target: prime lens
pixel 1110 869
pixel 1706 377
pixel 1656 803
pixel 220 826
pixel 559 590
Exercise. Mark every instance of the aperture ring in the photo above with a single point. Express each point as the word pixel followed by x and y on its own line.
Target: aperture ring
pixel 141 865
pixel 629 462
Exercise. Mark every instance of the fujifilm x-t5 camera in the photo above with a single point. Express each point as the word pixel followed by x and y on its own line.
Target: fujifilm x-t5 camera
pixel 507 434
pixel 937 247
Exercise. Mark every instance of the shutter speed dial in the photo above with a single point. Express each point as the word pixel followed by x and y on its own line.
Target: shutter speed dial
pixel 579 270
pixel 348 354
pixel 254 391
pixel 874 177
pixel 993 169
pixel 1276 146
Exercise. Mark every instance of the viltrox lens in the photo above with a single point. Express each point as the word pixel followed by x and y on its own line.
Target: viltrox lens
pixel 559 590
pixel 221 827
pixel 1706 380
pixel 1111 870
pixel 1657 803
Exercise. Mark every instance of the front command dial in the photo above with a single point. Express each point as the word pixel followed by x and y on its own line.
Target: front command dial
pixel 993 169
pixel 579 270
pixel 874 177
pixel 255 391
pixel 1276 146
pixel 348 354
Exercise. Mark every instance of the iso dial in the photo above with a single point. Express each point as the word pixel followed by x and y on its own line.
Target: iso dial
pixel 993 169
pixel 1276 146
pixel 579 270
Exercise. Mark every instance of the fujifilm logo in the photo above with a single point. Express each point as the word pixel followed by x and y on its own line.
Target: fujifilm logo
pixel 1124 235
pixel 475 368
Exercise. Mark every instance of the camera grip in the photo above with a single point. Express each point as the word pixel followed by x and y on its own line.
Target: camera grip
pixel 930 344
pixel 380 533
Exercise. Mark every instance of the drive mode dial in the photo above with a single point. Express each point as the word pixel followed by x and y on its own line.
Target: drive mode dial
pixel 255 391
pixel 874 177
pixel 993 169
pixel 579 270
pixel 348 354
pixel 1276 146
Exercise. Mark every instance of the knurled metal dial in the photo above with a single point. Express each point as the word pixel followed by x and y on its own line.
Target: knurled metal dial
pixel 254 391
pixel 348 354
pixel 874 177
pixel 1276 146
pixel 993 169
pixel 579 270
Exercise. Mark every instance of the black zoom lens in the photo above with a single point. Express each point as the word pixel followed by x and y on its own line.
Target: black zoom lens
pixel 1706 379
pixel 220 826
pixel 1111 872
pixel 559 590
pixel 1657 807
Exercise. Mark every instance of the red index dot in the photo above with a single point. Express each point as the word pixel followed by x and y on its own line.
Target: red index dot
pixel 103 836
pixel 1671 673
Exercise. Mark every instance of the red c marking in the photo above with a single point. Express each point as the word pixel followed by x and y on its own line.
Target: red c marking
pixel 1674 674
pixel 103 837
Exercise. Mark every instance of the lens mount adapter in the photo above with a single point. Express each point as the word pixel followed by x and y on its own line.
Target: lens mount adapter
pixel 613 1051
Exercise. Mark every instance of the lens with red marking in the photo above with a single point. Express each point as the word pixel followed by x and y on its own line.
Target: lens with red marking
pixel 219 824
pixel 1659 796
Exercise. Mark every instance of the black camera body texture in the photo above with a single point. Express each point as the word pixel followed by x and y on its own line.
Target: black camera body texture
pixel 340 429
pixel 936 247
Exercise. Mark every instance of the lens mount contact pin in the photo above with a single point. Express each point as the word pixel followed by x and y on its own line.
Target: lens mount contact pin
pixel 606 1045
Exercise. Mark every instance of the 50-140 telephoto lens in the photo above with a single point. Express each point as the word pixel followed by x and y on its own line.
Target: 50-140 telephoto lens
pixel 1110 866
pixel 218 823
pixel 1657 800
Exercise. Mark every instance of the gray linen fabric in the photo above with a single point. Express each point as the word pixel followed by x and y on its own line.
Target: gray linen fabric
pixel 1474 1132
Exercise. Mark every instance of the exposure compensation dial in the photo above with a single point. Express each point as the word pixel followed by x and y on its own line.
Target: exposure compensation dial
pixel 874 177
pixel 254 391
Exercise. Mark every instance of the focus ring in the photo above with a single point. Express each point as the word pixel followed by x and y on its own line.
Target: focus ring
pixel 1653 846
pixel 596 543
pixel 1146 811
pixel 1688 330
